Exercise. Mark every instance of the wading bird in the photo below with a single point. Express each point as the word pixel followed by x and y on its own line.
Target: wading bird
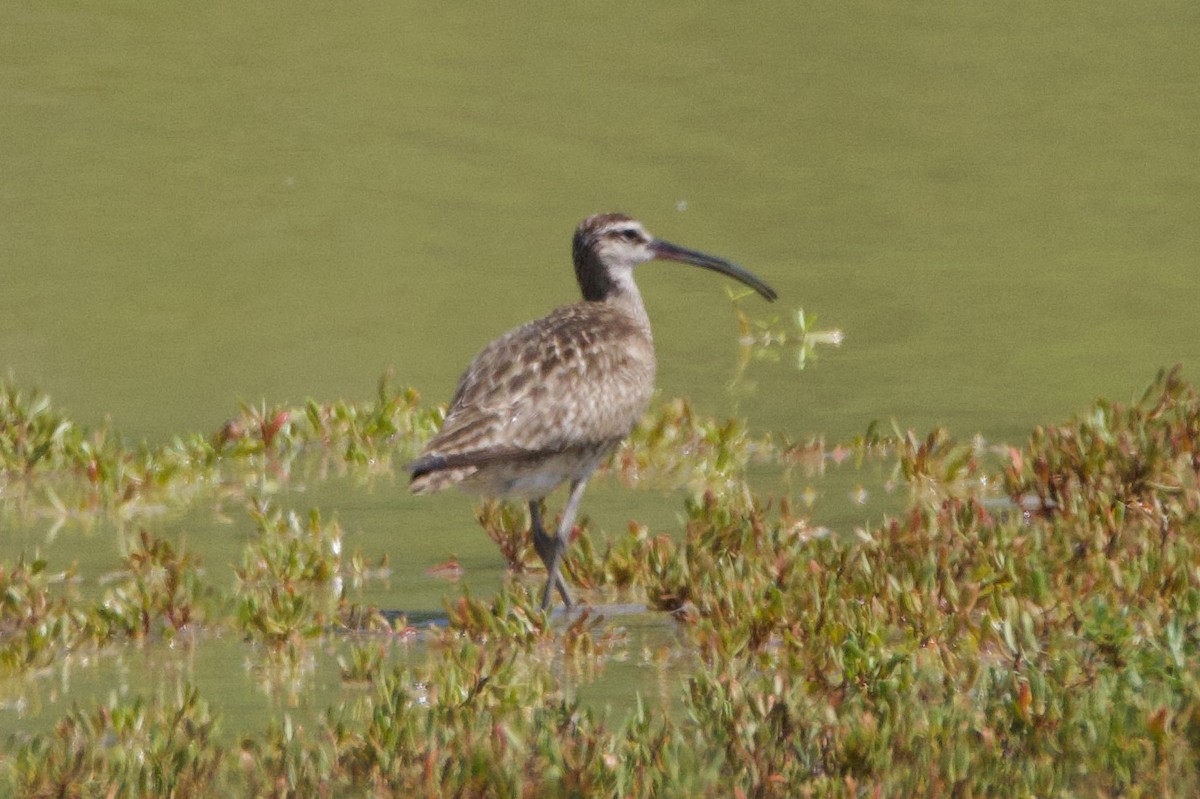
pixel 547 402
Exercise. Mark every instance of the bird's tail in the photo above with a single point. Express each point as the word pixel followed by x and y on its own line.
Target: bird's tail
pixel 432 473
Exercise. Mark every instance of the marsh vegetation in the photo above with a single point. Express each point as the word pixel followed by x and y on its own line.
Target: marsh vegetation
pixel 1027 624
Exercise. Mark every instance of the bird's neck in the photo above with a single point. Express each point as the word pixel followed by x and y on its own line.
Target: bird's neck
pixel 613 287
pixel 626 298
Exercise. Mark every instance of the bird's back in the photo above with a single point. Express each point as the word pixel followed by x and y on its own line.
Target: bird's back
pixel 543 402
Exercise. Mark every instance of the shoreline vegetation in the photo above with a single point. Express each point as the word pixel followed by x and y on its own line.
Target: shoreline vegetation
pixel 1027 625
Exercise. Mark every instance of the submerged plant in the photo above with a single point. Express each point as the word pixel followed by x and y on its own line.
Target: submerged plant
pixel 768 339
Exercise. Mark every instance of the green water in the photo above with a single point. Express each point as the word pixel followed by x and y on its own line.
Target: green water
pixel 997 204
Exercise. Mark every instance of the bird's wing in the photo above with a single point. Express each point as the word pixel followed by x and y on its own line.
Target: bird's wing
pixel 580 376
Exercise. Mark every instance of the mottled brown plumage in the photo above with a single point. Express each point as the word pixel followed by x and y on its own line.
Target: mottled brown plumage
pixel 546 402
pixel 574 381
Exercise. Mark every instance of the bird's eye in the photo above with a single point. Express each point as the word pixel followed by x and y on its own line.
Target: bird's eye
pixel 629 234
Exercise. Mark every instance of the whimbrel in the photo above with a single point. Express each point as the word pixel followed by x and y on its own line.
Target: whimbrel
pixel 547 402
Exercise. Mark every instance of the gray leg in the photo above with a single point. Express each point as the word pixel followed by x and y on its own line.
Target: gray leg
pixel 560 544
pixel 546 546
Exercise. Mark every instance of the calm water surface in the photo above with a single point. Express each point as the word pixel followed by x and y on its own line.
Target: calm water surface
pixel 996 203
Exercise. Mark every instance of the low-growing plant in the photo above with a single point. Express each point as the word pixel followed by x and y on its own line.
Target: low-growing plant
pixel 164 747
pixel 160 593
pixel 288 586
pixel 966 646
pixel 37 621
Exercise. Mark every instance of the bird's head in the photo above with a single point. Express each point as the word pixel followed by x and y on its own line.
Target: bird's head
pixel 607 247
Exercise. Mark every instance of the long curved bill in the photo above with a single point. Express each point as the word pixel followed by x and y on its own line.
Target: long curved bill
pixel 667 251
